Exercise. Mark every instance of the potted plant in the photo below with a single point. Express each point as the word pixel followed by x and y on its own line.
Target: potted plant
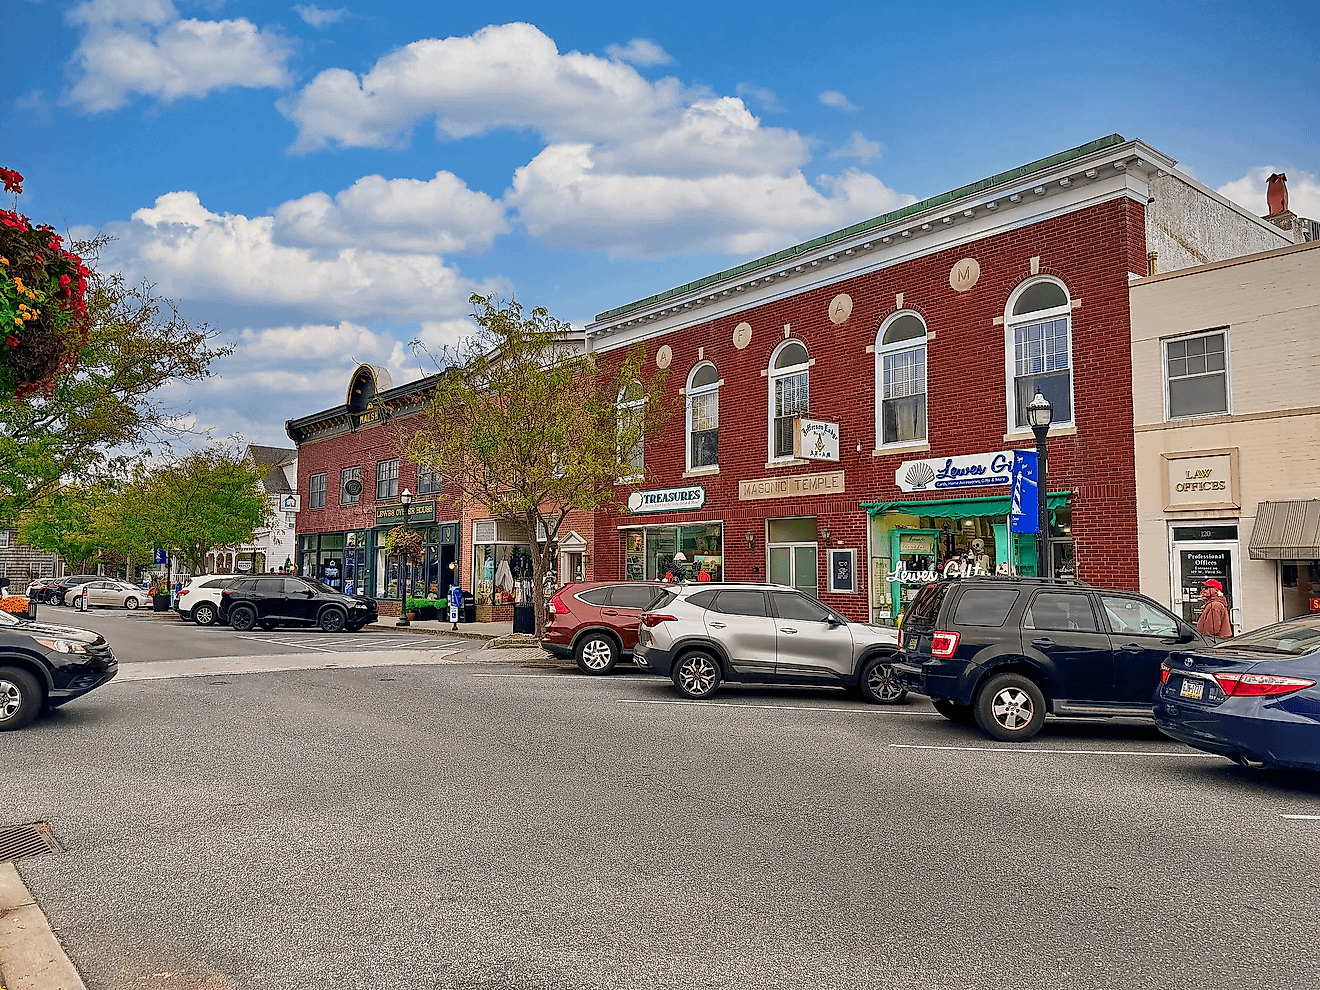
pixel 160 596
pixel 420 608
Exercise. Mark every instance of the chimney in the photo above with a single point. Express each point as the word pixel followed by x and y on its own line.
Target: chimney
pixel 1276 196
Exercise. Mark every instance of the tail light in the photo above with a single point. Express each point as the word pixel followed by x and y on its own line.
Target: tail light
pixel 1165 671
pixel 182 592
pixel 225 592
pixel 557 605
pixel 651 621
pixel 1260 685
pixel 944 644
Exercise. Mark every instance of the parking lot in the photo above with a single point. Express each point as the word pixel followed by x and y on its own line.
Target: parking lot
pixel 499 825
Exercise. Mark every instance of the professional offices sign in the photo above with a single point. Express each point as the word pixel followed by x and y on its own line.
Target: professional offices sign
pixel 965 471
pixel 668 499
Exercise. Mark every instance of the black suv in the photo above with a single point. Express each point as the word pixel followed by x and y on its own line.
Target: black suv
pixel 55 594
pixel 1005 651
pixel 276 600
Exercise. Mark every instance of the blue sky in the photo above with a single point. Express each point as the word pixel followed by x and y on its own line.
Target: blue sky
pixel 323 183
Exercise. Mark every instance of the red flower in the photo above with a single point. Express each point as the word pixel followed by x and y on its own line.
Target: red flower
pixel 64 281
pixel 11 341
pixel 12 180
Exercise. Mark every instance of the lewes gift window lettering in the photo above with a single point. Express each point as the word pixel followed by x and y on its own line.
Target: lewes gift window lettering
pixel 900 386
pixel 1038 327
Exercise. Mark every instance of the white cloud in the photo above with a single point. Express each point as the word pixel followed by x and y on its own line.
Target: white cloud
pixel 857 147
pixel 639 51
pixel 140 46
pixel 763 96
pixel 509 75
pixel 1249 191
pixel 319 17
pixel 438 215
pixel 833 98
pixel 194 254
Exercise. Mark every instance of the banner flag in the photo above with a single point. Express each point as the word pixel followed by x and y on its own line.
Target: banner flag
pixel 1026 493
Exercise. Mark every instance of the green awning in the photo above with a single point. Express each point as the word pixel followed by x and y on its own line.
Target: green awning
pixel 959 508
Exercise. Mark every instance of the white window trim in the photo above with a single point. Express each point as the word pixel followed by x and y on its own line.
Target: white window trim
pixel 621 405
pixel 689 394
pixel 772 375
pixel 1011 323
pixel 1228 373
pixel 882 349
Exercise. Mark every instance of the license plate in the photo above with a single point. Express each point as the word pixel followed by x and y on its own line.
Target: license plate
pixel 1192 689
pixel 912 643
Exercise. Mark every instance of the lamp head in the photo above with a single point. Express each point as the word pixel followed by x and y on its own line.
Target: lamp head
pixel 406 497
pixel 1039 412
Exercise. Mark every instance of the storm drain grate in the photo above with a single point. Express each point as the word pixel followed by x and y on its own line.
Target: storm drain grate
pixel 24 841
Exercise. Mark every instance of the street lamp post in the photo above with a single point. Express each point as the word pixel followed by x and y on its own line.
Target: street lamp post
pixel 1039 415
pixel 405 500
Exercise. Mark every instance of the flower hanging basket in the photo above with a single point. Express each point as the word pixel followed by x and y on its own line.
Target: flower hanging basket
pixel 405 543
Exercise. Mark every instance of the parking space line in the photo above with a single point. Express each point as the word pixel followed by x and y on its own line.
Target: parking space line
pixel 280 642
pixel 788 708
pixel 1305 818
pixel 526 676
pixel 1054 752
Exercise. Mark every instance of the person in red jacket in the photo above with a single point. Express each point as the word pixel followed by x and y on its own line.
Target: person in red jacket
pixel 1214 620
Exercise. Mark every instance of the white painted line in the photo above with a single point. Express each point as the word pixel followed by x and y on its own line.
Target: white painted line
pixel 526 676
pixel 278 642
pixel 1305 818
pixel 788 708
pixel 1055 752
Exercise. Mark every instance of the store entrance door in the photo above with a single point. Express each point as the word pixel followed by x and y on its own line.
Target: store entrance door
pixel 1198 553
pixel 791 546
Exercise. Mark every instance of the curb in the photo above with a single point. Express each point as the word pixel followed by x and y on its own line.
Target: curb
pixel 31 957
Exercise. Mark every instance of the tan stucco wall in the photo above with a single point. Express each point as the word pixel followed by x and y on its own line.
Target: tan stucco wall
pixel 1271 305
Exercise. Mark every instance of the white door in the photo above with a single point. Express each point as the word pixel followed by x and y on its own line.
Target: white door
pixel 794 565
pixel 1200 552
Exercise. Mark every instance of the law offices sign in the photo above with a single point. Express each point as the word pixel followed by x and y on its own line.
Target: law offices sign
pixel 965 471
pixel 668 499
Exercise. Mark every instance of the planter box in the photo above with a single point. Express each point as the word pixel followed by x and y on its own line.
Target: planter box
pixel 160 603
pixel 427 612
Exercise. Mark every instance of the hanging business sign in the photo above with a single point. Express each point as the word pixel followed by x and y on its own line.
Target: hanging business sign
pixel 816 440
pixel 965 471
pixel 392 515
pixel 668 499
pixel 290 503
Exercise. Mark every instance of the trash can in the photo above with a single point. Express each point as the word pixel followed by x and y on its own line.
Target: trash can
pixel 524 619
pixel 468 613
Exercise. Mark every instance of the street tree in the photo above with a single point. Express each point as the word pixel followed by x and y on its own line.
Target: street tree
pixel 62 524
pixel 526 424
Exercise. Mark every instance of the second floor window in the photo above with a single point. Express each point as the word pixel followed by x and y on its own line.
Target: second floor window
pixel 900 360
pixel 428 480
pixel 790 395
pixel 703 412
pixel 630 410
pixel 316 492
pixel 1196 375
pixel 1039 325
pixel 350 485
pixel 387 479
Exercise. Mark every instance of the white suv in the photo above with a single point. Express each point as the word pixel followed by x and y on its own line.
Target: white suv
pixel 200 600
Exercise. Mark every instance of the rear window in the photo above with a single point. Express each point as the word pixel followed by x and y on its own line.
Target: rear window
pixel 218 583
pixel 985 606
pixel 740 602
pixel 596 596
pixel 633 595
pixel 926 606
pixel 702 599
pixel 665 598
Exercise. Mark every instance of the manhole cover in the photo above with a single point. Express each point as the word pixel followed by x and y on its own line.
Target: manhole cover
pixel 24 841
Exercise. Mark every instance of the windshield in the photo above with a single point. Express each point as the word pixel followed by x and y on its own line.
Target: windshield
pixel 1293 638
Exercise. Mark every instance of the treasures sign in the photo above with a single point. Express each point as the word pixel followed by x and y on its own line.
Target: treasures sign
pixel 668 499
pixel 966 471
pixel 829 483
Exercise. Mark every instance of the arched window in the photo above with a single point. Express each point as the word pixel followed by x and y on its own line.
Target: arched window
pixel 900 380
pixel 790 395
pixel 1038 337
pixel 703 417
pixel 631 450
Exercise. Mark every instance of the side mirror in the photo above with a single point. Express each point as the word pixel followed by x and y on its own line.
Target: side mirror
pixel 832 621
pixel 309 593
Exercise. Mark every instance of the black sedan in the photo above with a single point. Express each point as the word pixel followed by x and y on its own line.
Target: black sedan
pixel 1253 699
pixel 44 666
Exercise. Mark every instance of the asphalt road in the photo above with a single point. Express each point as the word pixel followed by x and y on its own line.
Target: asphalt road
pixel 494 826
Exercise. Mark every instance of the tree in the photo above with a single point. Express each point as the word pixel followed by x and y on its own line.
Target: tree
pixel 62 524
pixel 86 524
pixel 525 423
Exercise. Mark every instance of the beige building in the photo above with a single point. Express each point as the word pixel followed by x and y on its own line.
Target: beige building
pixel 1226 402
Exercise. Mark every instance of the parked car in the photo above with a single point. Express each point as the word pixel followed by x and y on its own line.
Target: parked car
pixel 63 585
pixel 596 622
pixel 1005 651
pixel 106 593
pixel 271 600
pixel 1252 699
pixel 44 666
pixel 700 635
pixel 39 590
pixel 200 600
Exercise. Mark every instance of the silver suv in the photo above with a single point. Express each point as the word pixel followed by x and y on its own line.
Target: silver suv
pixel 701 634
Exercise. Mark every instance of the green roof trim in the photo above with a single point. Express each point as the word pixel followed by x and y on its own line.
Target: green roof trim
pixel 1012 175
pixel 959 508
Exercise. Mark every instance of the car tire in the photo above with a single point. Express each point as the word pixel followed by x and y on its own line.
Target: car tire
pixel 332 620
pixel 878 684
pixel 954 712
pixel 242 617
pixel 596 654
pixel 131 603
pixel 1010 708
pixel 204 614
pixel 20 698
pixel 697 675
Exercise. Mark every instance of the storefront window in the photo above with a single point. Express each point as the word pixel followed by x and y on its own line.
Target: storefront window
pixel 649 553
pixel 1301 587
pixel 502 573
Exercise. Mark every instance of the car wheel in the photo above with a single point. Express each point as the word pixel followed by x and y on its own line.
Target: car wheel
pixel 697 675
pixel 596 654
pixel 955 712
pixel 242 617
pixel 332 620
pixel 879 685
pixel 1010 708
pixel 204 614
pixel 131 603
pixel 20 698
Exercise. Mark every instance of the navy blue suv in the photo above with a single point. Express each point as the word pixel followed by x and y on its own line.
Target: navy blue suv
pixel 1005 651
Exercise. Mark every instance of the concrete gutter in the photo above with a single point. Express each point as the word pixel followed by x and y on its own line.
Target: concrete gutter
pixel 31 957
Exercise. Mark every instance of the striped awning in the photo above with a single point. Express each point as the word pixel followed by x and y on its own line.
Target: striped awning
pixel 1286 531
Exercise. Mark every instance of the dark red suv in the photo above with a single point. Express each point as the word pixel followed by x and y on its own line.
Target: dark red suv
pixel 596 622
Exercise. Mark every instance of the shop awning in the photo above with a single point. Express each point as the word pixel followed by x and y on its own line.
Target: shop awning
pixel 959 508
pixel 1286 531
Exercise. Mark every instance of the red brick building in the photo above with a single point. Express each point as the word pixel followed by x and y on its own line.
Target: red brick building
pixel 909 340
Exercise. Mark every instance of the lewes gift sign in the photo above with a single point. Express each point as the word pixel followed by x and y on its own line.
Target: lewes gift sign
pixel 668 499
pixel 966 471
pixel 816 440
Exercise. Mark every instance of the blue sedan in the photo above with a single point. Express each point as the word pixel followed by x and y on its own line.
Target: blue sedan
pixel 1252 699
